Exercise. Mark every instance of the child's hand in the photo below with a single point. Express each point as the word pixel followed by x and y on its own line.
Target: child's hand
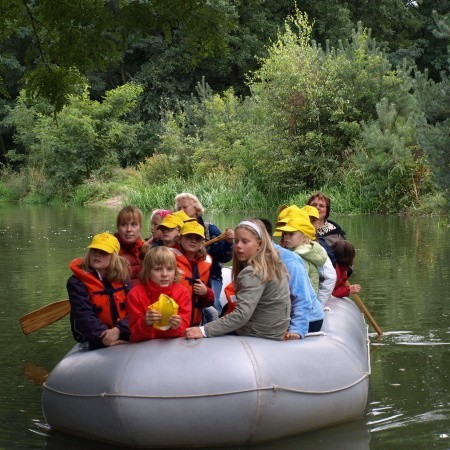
pixel 354 288
pixel 109 337
pixel 199 288
pixel 174 321
pixel 289 336
pixel 151 317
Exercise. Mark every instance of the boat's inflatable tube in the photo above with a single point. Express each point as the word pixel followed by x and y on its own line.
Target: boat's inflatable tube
pixel 218 391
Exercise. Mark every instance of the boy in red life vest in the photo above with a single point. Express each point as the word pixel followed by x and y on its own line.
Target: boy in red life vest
pixel 195 264
pixel 159 307
pixel 129 224
pixel 97 292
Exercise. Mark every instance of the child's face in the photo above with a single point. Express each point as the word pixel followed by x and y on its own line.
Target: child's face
pixel 99 260
pixel 169 235
pixel 154 223
pixel 191 242
pixel 293 239
pixel 162 275
pixel 245 244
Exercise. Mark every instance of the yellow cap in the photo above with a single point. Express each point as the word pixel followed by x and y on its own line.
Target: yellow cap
pixel 299 222
pixel 183 216
pixel 193 228
pixel 171 221
pixel 312 211
pixel 284 215
pixel 106 242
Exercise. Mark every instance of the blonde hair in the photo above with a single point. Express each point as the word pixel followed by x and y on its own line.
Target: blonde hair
pixel 195 202
pixel 130 212
pixel 266 262
pixel 118 269
pixel 159 256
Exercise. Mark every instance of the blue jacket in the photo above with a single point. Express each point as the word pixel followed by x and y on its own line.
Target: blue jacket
pixel 305 305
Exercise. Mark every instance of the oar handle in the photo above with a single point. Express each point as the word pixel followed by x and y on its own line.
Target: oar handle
pixel 221 237
pixel 366 312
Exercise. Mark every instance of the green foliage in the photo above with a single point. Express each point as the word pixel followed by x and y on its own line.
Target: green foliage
pixel 391 171
pixel 88 139
pixel 433 129
pixel 303 121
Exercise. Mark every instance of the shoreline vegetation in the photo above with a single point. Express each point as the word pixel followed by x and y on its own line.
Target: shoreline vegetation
pixel 342 120
pixel 219 193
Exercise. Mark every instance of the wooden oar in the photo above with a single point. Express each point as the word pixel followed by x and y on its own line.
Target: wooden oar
pixel 44 316
pixel 221 237
pixel 366 312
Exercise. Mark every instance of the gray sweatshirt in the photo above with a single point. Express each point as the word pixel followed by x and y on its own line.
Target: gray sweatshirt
pixel 262 310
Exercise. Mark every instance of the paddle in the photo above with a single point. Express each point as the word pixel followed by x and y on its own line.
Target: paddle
pixel 221 237
pixel 366 312
pixel 44 316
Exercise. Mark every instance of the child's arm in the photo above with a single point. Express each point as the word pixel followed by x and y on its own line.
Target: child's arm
pixel 205 293
pixel 137 308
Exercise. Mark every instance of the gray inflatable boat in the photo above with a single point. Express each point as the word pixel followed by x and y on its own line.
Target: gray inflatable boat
pixel 221 391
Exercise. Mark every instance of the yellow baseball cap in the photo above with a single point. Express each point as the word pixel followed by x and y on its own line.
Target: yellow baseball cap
pixel 193 228
pixel 299 222
pixel 171 221
pixel 106 242
pixel 312 211
pixel 184 217
pixel 284 215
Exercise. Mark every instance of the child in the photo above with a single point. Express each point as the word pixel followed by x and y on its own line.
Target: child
pixel 170 230
pixel 345 254
pixel 298 235
pixel 97 292
pixel 159 275
pixel 195 264
pixel 129 224
pixel 155 221
pixel 263 303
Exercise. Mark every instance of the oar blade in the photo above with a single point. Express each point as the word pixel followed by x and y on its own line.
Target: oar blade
pixel 44 316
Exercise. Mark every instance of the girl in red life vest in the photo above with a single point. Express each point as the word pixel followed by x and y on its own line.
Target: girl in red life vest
pixel 129 224
pixel 158 283
pixel 97 292
pixel 344 252
pixel 195 264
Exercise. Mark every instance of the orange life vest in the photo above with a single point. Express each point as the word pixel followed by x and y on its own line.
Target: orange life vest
pixel 110 303
pixel 230 294
pixel 188 277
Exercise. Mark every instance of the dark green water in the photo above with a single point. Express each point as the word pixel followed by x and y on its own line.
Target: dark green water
pixel 402 265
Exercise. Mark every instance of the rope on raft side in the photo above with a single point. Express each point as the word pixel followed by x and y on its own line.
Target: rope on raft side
pixel 218 394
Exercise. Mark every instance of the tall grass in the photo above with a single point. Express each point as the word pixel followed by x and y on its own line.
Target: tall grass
pixel 217 192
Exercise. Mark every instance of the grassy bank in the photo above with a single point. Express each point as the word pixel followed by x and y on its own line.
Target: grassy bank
pixel 217 192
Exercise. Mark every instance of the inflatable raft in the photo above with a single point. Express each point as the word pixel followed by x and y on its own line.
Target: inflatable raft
pixel 221 391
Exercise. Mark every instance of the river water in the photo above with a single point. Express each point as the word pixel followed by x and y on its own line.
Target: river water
pixel 402 264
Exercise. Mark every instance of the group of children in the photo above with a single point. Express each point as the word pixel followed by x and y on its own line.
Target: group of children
pixel 130 289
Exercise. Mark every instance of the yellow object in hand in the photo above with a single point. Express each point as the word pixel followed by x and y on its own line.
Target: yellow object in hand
pixel 167 307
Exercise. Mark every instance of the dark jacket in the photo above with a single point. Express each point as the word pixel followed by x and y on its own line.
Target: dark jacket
pixel 221 252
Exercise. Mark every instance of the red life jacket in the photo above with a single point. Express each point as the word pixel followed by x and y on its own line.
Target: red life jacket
pixel 133 254
pixel 188 276
pixel 110 303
